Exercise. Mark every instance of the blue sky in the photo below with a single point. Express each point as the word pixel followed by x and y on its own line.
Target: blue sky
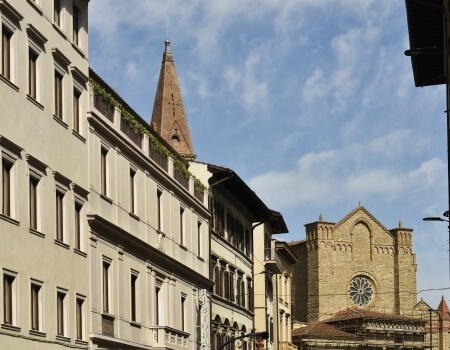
pixel 311 102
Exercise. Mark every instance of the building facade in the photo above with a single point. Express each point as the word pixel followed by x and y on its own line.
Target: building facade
pixel 105 234
pixel 284 296
pixel 273 276
pixel 44 188
pixel 148 244
pixel 355 286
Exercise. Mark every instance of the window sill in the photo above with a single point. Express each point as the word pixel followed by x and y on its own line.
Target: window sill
pixel 10 327
pixel 78 135
pixel 81 342
pixel 62 244
pixel 79 50
pixel 106 198
pixel 35 6
pixel 182 246
pixel 135 324
pixel 37 333
pixel 59 30
pixel 80 252
pixel 160 232
pixel 62 338
pixel 34 101
pixel 134 216
pixel 60 121
pixel 9 219
pixel 107 316
pixel 9 82
pixel 37 233
pixel 200 258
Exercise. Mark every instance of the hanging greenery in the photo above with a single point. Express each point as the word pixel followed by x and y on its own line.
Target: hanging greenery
pixel 109 99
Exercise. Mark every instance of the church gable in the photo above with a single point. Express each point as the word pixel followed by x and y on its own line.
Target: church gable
pixel 362 229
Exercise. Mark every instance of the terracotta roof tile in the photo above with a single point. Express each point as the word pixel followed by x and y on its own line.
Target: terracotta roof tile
pixel 356 313
pixel 321 329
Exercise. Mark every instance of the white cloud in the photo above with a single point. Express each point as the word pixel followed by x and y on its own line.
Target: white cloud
pixel 392 144
pixel 131 70
pixel 332 177
pixel 315 87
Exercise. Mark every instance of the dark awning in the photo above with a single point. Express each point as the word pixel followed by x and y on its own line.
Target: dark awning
pixel 426 33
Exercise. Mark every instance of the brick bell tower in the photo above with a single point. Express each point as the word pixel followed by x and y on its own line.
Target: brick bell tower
pixel 168 117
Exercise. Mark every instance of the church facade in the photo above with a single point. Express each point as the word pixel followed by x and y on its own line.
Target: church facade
pixel 355 286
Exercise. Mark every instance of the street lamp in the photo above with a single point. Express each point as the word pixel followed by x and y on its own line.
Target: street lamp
pixel 438 218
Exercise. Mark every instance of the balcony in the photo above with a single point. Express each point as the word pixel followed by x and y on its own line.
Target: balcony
pixel 168 338
pixel 272 261
pixel 132 133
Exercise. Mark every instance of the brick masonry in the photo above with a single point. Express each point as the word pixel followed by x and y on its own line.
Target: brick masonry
pixel 359 245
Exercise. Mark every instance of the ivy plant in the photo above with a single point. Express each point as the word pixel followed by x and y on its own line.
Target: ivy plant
pixel 129 118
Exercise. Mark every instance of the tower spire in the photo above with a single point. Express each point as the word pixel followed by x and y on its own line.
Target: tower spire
pixel 168 117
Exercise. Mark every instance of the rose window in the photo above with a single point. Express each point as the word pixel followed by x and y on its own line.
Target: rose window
pixel 361 291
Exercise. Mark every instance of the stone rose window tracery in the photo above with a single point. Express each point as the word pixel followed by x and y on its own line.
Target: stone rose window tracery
pixel 361 291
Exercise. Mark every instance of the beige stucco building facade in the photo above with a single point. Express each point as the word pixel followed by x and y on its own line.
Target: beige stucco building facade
pixel 105 234
pixel 148 243
pixel 44 185
pixel 273 262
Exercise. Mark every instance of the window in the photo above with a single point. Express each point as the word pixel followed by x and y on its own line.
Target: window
pixel 106 286
pixel 159 303
pixel 61 187
pixel 79 317
pixel 241 291
pixel 36 45
pixel 9 298
pixel 32 79
pixel 182 226
pixel 34 203
pixel 9 154
pixel 77 232
pixel 57 12
pixel 59 216
pixel 199 238
pixel 61 312
pixel 36 171
pixel 76 110
pixel 76 25
pixel 58 95
pixel 159 210
pixel 132 191
pixel 36 305
pixel 231 286
pixel 134 296
pixel 80 197
pixel 226 283
pixel 6 52
pixel 250 294
pixel 183 312
pixel 104 171
pixel 217 281
pixel 6 187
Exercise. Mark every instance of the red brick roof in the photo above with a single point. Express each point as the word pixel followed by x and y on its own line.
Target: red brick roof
pixel 357 313
pixel 321 329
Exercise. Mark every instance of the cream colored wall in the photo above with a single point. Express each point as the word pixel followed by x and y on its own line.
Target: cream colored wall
pixel 29 124
pixel 142 225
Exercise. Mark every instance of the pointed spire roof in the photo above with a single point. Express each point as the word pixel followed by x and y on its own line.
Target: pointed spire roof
pixel 168 117
pixel 443 309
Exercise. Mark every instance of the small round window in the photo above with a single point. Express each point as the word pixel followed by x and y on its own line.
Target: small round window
pixel 361 291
